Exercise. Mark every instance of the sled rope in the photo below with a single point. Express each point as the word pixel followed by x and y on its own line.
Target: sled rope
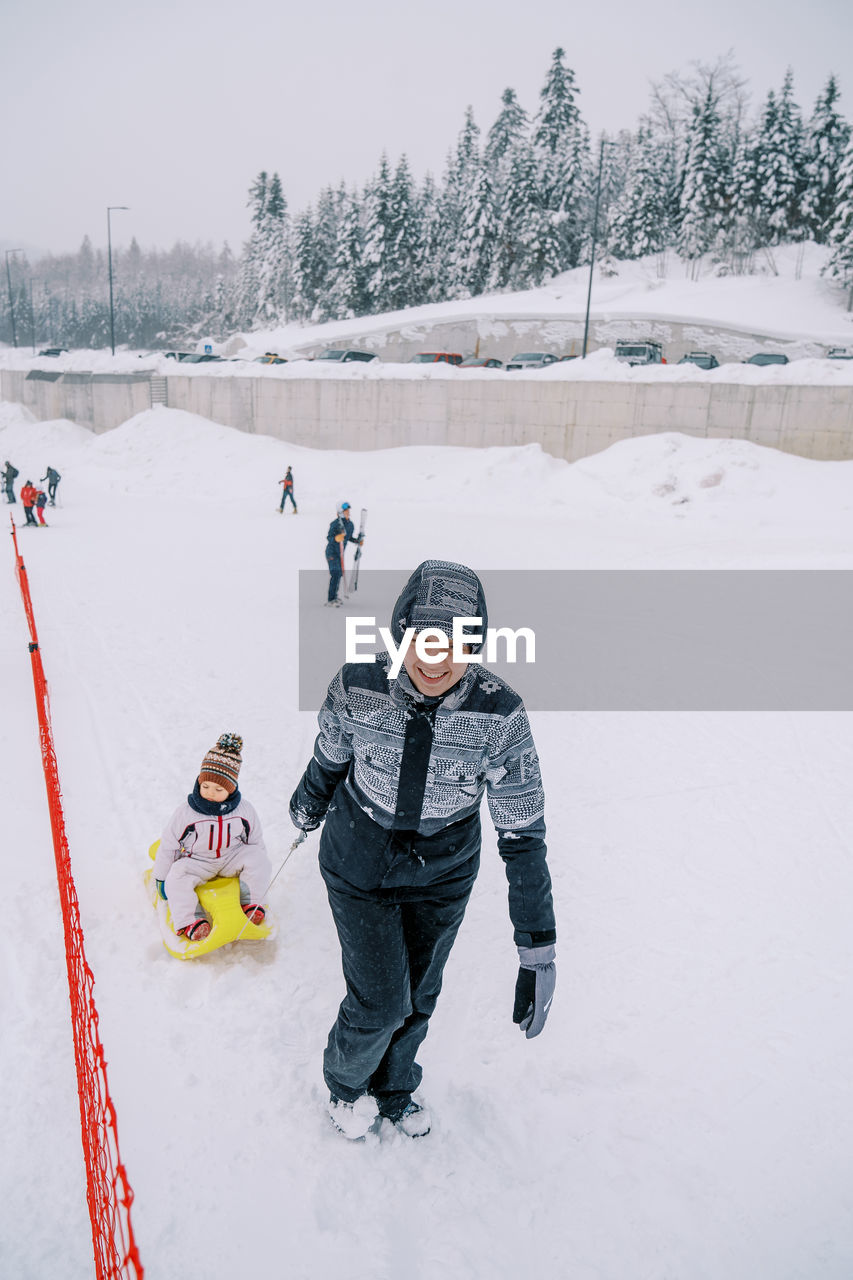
pixel 108 1192
pixel 297 842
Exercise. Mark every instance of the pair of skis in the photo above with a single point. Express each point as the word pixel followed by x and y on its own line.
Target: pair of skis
pixel 352 585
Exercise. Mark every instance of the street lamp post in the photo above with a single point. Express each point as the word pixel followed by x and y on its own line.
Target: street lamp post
pixel 11 299
pixel 604 144
pixel 110 209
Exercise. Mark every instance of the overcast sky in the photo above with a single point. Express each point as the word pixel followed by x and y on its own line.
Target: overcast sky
pixel 173 106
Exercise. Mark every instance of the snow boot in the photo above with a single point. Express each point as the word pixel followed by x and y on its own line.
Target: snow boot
pixel 353 1119
pixel 414 1122
pixel 255 913
pixel 195 932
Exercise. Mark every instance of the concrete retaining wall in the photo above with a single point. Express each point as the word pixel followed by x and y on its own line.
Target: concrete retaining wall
pixel 100 401
pixel 569 419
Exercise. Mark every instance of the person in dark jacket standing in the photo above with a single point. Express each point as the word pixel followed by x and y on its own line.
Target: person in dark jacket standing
pixel 341 531
pixel 10 474
pixel 53 478
pixel 399 770
pixel 287 491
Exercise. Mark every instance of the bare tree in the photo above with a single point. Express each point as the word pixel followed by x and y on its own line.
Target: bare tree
pixel 677 95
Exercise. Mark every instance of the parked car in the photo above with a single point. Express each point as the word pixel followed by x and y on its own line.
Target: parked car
pixel 840 353
pixel 703 359
pixel 270 357
pixel 481 362
pixel 531 360
pixel 343 356
pixel 647 352
pixel 574 357
pixel 54 351
pixel 767 357
pixel 204 358
pixel 436 357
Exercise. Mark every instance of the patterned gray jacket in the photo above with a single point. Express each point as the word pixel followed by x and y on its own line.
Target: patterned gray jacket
pixel 481 742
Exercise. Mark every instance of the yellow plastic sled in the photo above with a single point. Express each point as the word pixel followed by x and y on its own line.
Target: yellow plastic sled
pixel 220 898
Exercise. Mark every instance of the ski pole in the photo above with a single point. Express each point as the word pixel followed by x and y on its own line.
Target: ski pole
pixel 357 565
pixel 303 835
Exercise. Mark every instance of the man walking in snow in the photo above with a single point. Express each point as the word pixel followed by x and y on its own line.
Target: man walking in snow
pixel 287 492
pixel 399 770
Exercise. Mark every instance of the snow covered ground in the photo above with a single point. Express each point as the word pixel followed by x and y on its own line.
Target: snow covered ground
pixel 686 1112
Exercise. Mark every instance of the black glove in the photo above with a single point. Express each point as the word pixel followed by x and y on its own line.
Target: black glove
pixel 303 820
pixel 534 988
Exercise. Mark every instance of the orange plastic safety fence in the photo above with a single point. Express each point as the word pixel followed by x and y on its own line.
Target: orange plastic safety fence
pixel 108 1191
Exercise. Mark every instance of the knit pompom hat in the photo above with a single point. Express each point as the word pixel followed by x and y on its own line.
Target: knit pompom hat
pixel 222 762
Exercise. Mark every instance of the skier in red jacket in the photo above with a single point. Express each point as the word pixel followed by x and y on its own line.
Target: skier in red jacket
pixel 29 494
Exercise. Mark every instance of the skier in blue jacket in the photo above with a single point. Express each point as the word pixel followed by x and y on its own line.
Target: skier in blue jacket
pixel 399 770
pixel 341 531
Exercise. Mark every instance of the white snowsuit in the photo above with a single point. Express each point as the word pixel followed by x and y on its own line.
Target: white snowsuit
pixel 195 848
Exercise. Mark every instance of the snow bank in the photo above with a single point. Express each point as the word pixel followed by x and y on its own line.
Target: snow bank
pixel 795 302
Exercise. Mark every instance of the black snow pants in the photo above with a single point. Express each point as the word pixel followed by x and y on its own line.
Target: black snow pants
pixel 333 560
pixel 395 941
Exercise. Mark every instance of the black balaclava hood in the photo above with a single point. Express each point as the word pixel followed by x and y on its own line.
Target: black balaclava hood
pixel 437 592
